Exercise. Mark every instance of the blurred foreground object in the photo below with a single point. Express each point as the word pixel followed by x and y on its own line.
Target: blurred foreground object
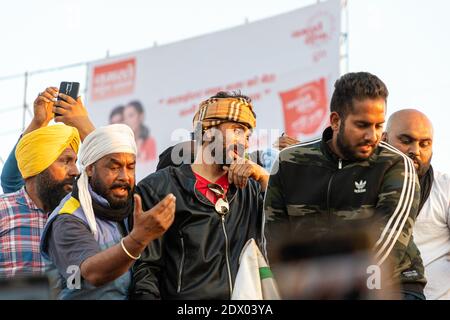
pixel 338 266
pixel 254 280
pixel 25 288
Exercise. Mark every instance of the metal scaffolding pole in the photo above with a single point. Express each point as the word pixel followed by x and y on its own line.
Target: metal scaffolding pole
pixel 345 60
pixel 25 106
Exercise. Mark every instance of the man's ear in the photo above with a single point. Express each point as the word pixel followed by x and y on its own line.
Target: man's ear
pixel 90 170
pixel 335 121
pixel 384 137
pixel 207 135
pixel 211 135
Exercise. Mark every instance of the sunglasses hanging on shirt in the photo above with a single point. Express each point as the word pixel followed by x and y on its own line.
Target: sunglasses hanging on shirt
pixel 221 205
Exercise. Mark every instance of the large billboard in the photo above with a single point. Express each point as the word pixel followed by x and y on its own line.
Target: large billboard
pixel 287 64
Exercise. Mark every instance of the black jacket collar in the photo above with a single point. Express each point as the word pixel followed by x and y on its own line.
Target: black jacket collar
pixel 327 135
pixel 326 150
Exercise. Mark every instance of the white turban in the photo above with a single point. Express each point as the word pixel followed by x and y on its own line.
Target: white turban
pixel 115 138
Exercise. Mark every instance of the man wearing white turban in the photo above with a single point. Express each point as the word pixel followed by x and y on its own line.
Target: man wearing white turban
pixel 87 236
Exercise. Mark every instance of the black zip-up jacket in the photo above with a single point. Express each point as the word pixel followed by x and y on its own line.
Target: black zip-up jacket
pixel 198 256
pixel 312 190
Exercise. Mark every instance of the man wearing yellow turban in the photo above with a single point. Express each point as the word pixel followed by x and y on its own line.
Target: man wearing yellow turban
pixel 71 112
pixel 46 159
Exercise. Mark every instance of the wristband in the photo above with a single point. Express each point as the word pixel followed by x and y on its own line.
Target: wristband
pixel 126 251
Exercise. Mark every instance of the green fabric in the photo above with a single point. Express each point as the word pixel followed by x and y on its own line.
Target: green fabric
pixel 265 272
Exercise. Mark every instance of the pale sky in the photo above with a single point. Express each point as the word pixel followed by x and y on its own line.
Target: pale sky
pixel 405 43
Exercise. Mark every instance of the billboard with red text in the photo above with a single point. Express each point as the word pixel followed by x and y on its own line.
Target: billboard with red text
pixel 287 64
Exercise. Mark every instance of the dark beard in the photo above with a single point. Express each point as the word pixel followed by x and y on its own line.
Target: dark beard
pixel 224 159
pixel 237 148
pixel 423 167
pixel 50 191
pixel 104 191
pixel 346 150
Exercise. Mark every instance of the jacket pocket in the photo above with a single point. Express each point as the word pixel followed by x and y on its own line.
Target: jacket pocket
pixel 180 269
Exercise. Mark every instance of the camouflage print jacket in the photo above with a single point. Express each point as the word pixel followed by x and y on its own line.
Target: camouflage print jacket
pixel 315 192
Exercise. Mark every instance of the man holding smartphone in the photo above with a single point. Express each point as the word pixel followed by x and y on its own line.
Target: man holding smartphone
pixel 40 189
pixel 72 113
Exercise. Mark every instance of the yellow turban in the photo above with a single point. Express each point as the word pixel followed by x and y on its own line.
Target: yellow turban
pixel 37 150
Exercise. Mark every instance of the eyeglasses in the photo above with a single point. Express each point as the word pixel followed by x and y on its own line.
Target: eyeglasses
pixel 222 207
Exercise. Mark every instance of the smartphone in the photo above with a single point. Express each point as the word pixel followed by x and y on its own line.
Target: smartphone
pixel 69 88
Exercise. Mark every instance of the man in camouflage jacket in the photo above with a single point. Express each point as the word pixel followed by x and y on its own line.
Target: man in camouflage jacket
pixel 350 178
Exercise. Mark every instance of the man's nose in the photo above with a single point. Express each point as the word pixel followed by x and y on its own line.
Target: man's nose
pixel 371 135
pixel 73 171
pixel 414 149
pixel 123 175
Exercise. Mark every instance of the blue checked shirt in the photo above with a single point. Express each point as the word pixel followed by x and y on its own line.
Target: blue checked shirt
pixel 21 226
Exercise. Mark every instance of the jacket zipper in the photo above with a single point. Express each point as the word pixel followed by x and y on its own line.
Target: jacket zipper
pixel 329 189
pixel 210 204
pixel 227 258
pixel 181 264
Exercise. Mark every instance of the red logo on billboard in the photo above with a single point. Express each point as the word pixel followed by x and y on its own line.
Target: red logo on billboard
pixel 319 29
pixel 305 108
pixel 114 79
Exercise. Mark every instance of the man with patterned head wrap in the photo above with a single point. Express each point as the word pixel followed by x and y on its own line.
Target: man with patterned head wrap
pixel 86 237
pixel 46 159
pixel 218 208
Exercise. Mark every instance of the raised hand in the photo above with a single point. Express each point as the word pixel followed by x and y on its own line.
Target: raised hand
pixel 285 141
pixel 152 224
pixel 242 169
pixel 73 113
pixel 42 108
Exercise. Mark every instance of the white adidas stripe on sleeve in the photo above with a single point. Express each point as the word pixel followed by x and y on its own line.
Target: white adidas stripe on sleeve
pixel 401 213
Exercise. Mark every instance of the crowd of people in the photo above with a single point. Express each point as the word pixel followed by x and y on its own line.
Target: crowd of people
pixel 180 233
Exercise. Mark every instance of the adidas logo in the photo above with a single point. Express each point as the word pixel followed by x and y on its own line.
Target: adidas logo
pixel 360 186
pixel 410 273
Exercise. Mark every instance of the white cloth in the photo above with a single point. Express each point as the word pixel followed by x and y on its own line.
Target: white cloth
pixel 432 237
pixel 115 138
pixel 249 284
